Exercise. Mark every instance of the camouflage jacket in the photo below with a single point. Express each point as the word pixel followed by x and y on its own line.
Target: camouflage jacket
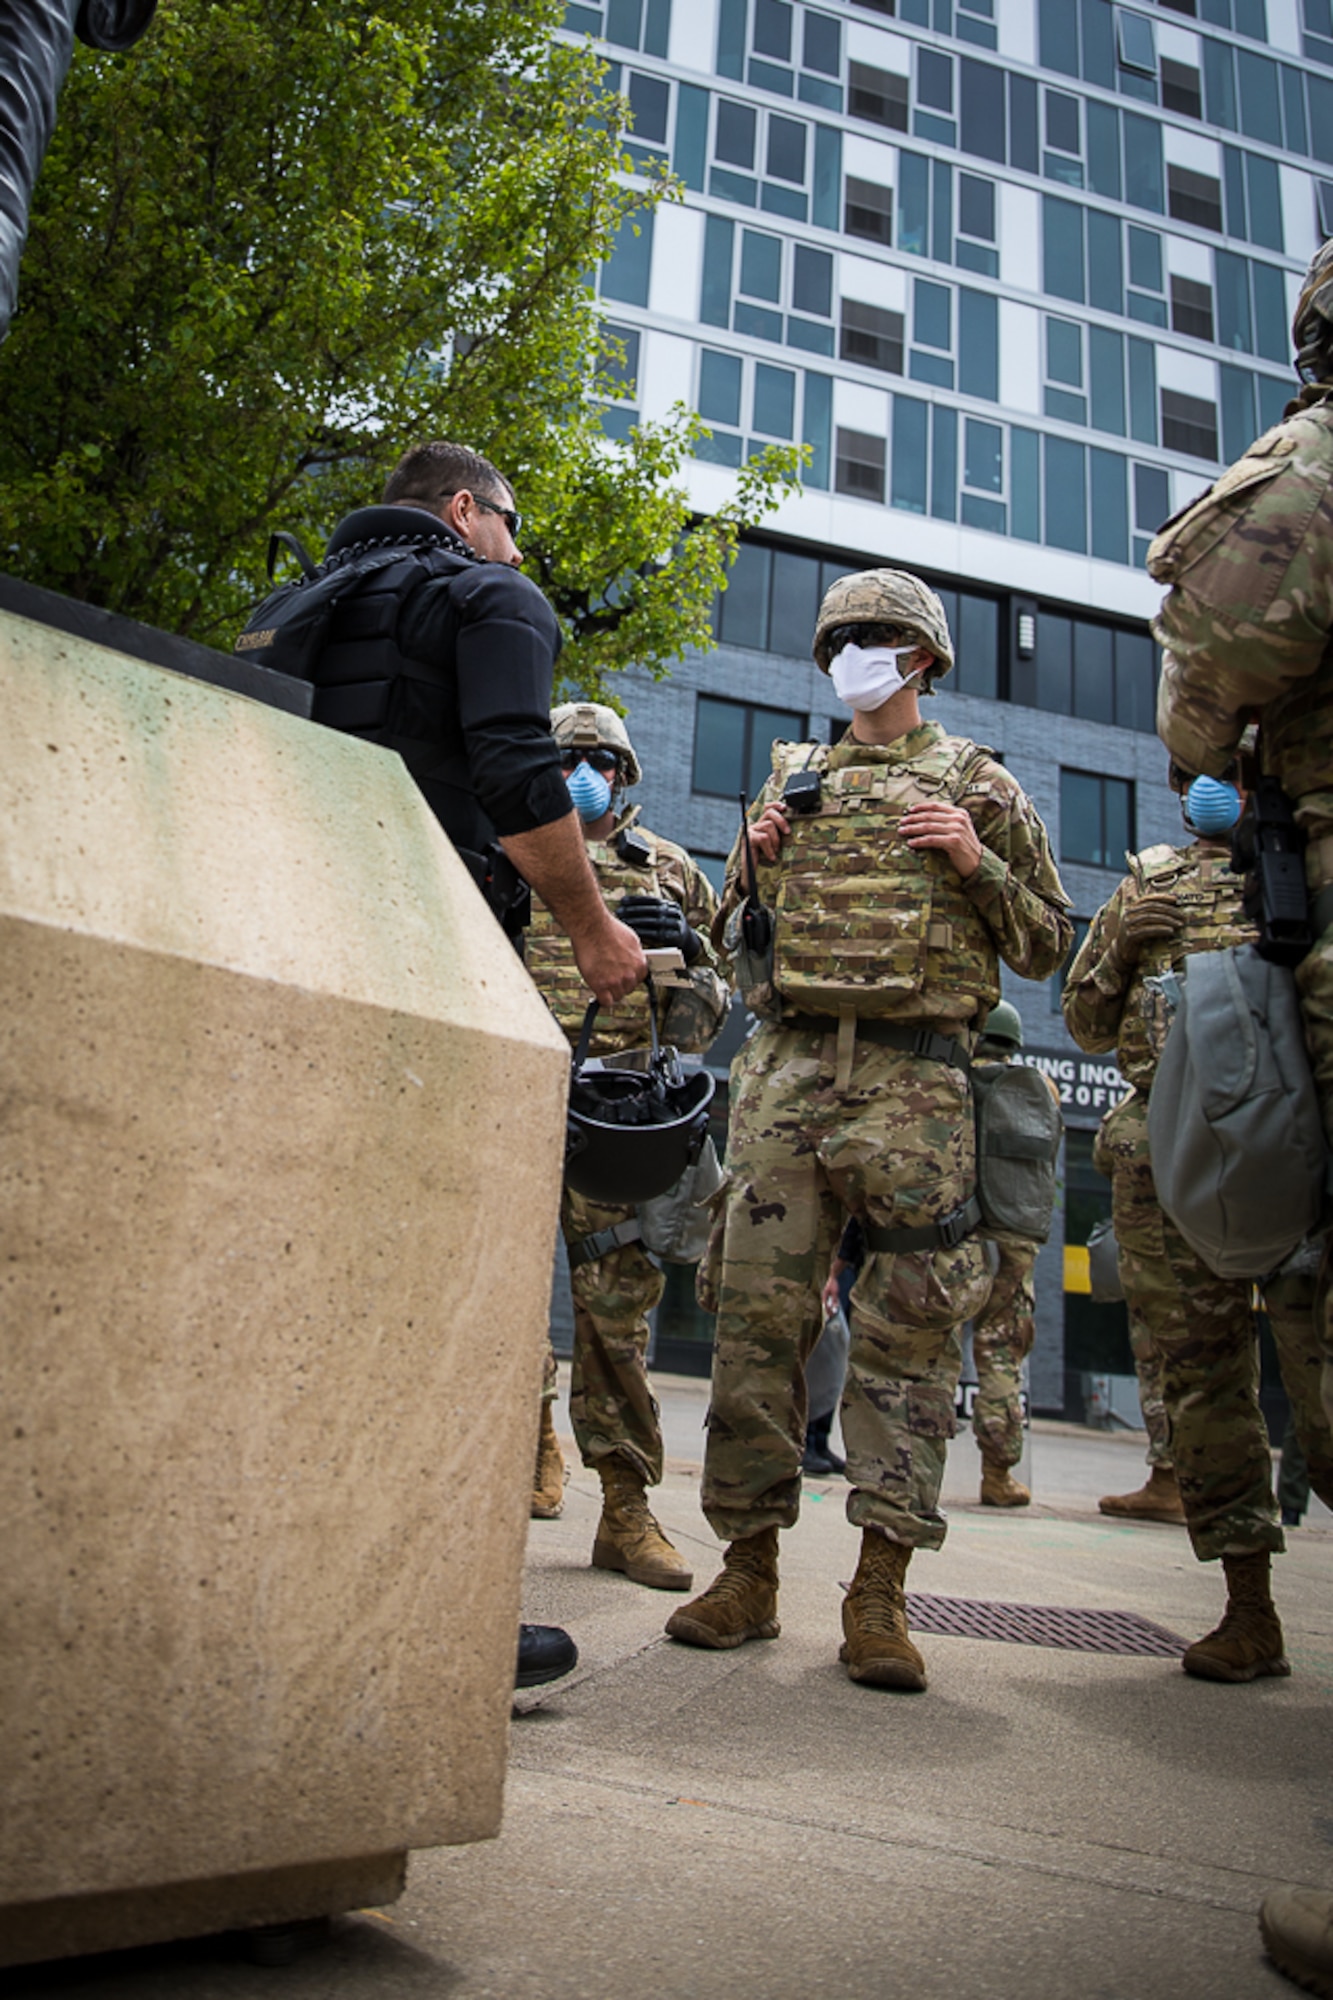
pixel 1108 1002
pixel 891 931
pixel 1246 624
pixel 690 1015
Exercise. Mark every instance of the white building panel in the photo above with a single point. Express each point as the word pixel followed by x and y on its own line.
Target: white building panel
pixel 1188 259
pixel 1284 26
pixel 1017 24
pixel 1020 357
pixel 1298 213
pixel 858 407
pixel 1192 150
pixel 881 51
pixel 678 248
pixel 882 285
pixel 693 34
pixel 1020 237
pixel 1189 374
pixel 666 372
pixel 1178 44
pixel 867 160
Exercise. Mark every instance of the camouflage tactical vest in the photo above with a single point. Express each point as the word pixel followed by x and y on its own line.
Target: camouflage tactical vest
pixel 863 921
pixel 1200 879
pixel 550 955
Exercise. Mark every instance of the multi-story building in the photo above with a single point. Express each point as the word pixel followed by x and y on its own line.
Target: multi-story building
pixel 1020 274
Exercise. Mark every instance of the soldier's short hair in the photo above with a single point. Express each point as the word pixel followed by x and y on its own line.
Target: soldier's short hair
pixel 433 473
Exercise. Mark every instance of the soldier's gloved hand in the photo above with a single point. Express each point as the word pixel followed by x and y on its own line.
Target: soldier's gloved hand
pixel 1145 921
pixel 659 923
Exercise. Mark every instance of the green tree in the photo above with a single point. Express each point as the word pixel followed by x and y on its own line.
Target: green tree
pixel 281 239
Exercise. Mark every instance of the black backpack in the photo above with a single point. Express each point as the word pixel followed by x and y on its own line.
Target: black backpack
pixel 289 630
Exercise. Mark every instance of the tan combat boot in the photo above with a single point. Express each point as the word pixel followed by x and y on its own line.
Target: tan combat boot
pixel 548 1481
pixel 1297 1926
pixel 874 1618
pixel 739 1604
pixel 999 1488
pixel 1157 1500
pixel 628 1538
pixel 1248 1642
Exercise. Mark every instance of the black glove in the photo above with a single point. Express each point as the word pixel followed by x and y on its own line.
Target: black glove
pixel 658 923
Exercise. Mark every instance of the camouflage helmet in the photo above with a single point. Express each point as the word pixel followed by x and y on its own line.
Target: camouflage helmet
pixel 886 597
pixel 589 725
pixel 1003 1024
pixel 1312 321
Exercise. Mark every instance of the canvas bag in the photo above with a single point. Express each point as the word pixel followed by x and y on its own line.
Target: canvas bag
pixel 674 1226
pixel 1234 1128
pixel 1019 1130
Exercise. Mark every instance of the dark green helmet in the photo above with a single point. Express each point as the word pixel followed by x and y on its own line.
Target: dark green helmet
pixel 1004 1025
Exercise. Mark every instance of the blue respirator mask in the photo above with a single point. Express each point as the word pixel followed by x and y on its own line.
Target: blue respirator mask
pixel 1212 806
pixel 589 790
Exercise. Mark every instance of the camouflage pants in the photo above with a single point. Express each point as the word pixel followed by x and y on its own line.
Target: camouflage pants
pixel 897 1148
pixel 610 1403
pixel 1122 1145
pixel 1002 1336
pixel 1203 1330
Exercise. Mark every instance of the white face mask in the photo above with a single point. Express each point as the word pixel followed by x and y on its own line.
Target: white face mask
pixel 865 677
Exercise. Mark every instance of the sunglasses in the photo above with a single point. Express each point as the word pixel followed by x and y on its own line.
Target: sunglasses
pixel 604 761
pixel 513 521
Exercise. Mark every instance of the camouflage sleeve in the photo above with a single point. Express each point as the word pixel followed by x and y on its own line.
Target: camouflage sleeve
pixel 1251 601
pixel 1097 983
pixel 1016 888
pixel 694 1015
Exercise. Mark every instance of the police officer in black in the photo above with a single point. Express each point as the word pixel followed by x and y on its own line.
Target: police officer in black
pixel 438 648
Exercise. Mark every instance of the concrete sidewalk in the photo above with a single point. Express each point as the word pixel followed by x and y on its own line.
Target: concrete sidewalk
pixel 1040 1825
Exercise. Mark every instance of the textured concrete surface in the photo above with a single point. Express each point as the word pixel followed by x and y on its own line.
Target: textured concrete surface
pixel 271 1073
pixel 682 1825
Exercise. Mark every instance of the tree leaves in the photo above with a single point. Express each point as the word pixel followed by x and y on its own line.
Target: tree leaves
pixel 281 240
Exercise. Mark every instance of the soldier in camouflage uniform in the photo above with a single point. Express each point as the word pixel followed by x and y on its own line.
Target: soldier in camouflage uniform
pixel 1121 1146
pixel 1246 627
pixel 1173 902
pixel 1005 1328
pixel 667 900
pixel 916 864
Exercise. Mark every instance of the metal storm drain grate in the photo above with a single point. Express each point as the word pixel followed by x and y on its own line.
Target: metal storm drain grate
pixel 1043 1625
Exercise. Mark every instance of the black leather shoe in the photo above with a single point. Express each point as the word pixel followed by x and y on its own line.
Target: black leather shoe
pixel 545 1652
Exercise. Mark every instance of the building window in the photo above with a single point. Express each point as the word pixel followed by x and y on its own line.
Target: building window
pixel 868 211
pixel 628 24
pixel 619 363
pixel 872 336
pixel 1152 504
pixel 1189 424
pixel 932 334
pixel 1191 308
pixel 1181 88
pixel 1064 396
pixel 1063 158
pixel 860 466
pixel 625 274
pixel 934 98
pixel 1195 198
pixel 1096 819
pixel 1136 49
pixel 877 95
pixel 1324 207
pixel 975 247
pixel 1144 300
pixel 733 744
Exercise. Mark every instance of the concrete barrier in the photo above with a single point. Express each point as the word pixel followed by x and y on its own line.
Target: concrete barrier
pixel 280 1135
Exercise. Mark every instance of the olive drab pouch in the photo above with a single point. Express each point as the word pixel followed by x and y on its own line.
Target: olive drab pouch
pixel 675 1226
pixel 1238 1150
pixel 1019 1130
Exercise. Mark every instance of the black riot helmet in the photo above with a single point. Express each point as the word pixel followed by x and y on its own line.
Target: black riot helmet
pixel 635 1122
